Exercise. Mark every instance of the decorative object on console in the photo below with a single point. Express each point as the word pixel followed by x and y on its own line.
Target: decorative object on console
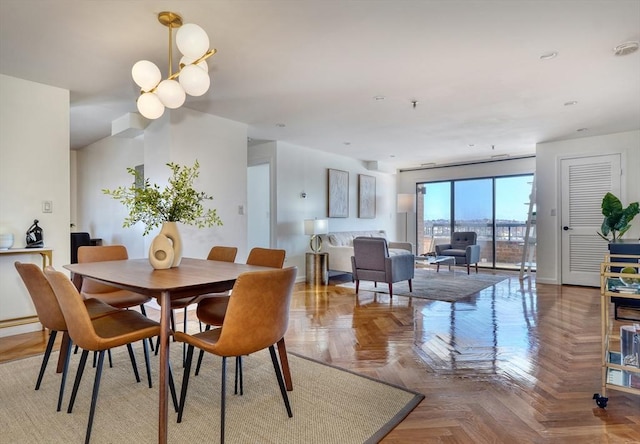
pixel 34 237
pixel 366 196
pixel 314 227
pixel 193 73
pixel 177 202
pixel 338 193
pixel 6 241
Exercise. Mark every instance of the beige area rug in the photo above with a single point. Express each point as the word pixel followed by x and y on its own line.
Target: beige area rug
pixel 329 405
pixel 448 286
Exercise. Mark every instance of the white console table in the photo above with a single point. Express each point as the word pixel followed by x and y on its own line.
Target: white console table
pixel 47 259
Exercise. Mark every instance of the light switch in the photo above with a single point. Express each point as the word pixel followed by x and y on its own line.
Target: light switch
pixel 47 206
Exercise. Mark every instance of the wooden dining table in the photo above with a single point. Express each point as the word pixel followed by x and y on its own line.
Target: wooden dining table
pixel 192 278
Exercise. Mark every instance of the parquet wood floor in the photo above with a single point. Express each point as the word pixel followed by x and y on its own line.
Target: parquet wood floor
pixel 515 363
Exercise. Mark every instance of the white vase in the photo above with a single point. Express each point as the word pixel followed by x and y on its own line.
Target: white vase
pixel 170 229
pixel 161 252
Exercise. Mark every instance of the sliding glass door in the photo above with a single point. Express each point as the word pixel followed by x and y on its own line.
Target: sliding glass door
pixel 494 207
pixel 473 211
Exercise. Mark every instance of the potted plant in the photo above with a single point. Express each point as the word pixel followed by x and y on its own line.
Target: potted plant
pixel 617 220
pixel 155 207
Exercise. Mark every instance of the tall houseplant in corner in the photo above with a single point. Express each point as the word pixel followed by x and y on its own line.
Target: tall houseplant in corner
pixel 155 207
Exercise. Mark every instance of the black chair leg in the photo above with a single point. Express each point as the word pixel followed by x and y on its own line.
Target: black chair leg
pixel 185 382
pixel 76 384
pixel 283 389
pixel 172 389
pixel 145 349
pixel 201 354
pixel 94 395
pixel 133 362
pixel 238 376
pixel 223 389
pixel 184 345
pixel 63 380
pixel 45 359
pixel 110 361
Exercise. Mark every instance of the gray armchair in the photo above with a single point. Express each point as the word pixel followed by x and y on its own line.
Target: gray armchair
pixel 371 261
pixel 463 247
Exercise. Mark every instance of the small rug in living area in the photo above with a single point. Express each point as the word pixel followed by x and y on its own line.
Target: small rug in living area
pixel 330 405
pixel 448 286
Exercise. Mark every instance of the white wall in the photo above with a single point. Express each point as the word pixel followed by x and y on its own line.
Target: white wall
pixel 103 165
pixel 34 166
pixel 548 158
pixel 299 169
pixel 181 136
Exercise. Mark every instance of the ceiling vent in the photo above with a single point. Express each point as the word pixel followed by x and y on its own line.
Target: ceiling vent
pixel 625 48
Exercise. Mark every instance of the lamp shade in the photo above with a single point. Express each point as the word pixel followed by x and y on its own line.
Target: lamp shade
pixel 150 106
pixel 406 203
pixel 146 75
pixel 194 80
pixel 313 227
pixel 171 94
pixel 192 40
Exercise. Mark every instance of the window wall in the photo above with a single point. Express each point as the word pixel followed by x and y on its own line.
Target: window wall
pixel 494 207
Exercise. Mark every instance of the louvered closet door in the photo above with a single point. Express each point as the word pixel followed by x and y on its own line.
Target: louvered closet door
pixel 584 182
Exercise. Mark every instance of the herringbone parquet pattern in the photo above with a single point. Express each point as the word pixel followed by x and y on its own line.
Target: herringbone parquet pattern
pixel 515 363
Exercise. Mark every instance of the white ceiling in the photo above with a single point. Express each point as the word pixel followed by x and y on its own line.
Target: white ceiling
pixel 473 66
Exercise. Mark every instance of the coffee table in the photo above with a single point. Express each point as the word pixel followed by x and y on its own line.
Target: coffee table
pixel 436 260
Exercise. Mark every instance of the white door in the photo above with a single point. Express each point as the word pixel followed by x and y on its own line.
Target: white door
pixel 585 181
pixel 258 206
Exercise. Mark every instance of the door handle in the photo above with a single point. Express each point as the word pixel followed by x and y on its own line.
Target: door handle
pixel 565 228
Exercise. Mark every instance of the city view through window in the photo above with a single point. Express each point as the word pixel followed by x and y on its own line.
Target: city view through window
pixel 496 208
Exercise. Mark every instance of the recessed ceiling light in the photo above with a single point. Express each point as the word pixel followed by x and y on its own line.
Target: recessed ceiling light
pixel 471 145
pixel 570 103
pixel 378 97
pixel 280 125
pixel 392 155
pixel 626 48
pixel 347 143
pixel 549 55
pixel 582 129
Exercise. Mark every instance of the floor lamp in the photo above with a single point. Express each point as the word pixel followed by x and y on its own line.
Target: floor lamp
pixel 406 205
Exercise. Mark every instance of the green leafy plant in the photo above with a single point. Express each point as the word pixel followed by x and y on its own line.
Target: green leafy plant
pixel 617 219
pixel 177 202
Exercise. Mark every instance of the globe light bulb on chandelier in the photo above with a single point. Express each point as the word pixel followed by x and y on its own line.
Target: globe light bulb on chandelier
pixel 192 77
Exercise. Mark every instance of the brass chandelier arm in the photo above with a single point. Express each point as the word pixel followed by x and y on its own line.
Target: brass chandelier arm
pixel 175 75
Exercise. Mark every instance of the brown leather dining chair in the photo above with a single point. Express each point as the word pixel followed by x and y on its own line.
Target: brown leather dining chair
pixel 51 318
pixel 106 293
pixel 257 317
pixel 212 311
pixel 217 253
pixel 121 328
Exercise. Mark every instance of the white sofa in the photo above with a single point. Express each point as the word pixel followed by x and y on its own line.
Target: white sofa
pixel 339 245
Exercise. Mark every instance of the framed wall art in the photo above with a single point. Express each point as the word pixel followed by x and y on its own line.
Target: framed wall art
pixel 338 193
pixel 366 196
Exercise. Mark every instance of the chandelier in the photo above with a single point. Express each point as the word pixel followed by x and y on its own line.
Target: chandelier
pixel 191 78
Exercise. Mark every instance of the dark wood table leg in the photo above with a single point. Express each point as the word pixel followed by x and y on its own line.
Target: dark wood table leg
pixel 163 403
